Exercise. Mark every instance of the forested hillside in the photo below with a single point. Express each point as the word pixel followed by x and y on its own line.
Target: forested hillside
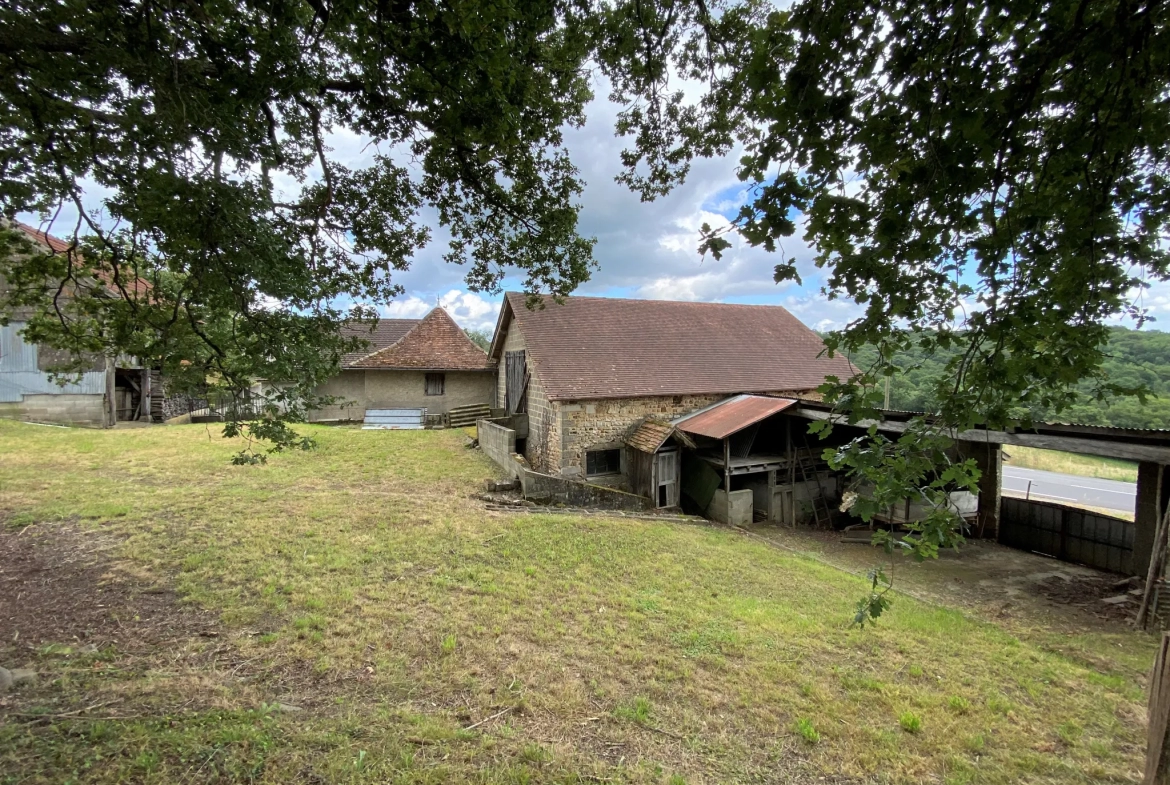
pixel 1136 358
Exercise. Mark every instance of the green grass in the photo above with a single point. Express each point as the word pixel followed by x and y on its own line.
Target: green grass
pixel 429 640
pixel 1070 463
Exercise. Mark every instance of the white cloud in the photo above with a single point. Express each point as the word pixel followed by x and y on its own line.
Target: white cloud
pixel 412 307
pixel 468 309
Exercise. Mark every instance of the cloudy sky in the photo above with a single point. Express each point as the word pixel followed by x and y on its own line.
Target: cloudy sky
pixel 644 250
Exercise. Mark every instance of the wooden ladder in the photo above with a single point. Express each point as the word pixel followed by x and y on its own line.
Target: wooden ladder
pixel 819 497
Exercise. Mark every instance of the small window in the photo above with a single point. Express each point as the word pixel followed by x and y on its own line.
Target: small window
pixel 436 382
pixel 599 462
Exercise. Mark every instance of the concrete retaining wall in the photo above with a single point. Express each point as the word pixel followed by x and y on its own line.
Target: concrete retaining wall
pixel 499 444
pixel 65 409
pixel 557 490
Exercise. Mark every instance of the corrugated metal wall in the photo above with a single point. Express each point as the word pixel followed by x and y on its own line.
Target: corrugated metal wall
pixel 19 375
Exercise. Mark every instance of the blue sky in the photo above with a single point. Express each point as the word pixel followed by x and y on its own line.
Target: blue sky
pixel 643 250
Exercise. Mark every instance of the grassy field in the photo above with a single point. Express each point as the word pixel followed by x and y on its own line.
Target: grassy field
pixel 1070 463
pixel 355 615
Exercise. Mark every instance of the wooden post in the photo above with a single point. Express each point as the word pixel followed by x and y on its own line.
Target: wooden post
pixel 1157 748
pixel 1156 568
pixel 145 407
pixel 111 394
pixel 727 475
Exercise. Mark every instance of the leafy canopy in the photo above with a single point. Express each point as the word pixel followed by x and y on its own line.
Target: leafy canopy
pixel 205 126
pixel 988 178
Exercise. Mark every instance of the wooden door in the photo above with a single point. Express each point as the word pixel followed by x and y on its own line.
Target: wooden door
pixel 666 477
pixel 514 372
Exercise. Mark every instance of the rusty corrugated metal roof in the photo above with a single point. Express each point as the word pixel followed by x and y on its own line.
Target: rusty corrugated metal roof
pixel 735 414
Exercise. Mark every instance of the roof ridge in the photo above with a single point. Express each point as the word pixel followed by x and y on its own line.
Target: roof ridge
pixel 656 300
pixel 458 346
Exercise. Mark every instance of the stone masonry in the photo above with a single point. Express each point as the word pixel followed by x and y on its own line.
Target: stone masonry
pixel 579 426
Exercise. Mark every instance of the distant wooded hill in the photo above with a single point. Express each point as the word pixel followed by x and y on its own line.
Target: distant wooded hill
pixel 1135 358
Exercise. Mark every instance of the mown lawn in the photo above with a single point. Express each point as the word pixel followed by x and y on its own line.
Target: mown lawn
pixel 414 637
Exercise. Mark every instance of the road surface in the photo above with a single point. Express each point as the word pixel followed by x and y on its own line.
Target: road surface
pixel 1070 489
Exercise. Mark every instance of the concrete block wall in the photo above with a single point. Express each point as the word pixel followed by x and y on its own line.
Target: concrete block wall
pixel 499 444
pixel 394 389
pixel 64 409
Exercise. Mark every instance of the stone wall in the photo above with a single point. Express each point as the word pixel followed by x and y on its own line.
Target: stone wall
pixel 393 389
pixel 64 409
pixel 579 426
pixel 575 493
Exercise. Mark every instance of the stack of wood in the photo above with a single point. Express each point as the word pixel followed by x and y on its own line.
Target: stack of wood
pixel 466 416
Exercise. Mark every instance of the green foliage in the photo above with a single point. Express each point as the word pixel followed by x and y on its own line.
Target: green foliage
pixel 205 127
pixel 447 646
pixel 1133 358
pixel 638 710
pixel 874 604
pixel 910 722
pixel 804 727
pixel 987 181
pixel 958 704
pixel 481 338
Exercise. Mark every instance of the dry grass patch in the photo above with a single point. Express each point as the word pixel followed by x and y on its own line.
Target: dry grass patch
pixel 425 639
pixel 1070 463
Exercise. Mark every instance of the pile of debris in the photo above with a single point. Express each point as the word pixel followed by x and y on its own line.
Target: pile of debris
pixel 1105 596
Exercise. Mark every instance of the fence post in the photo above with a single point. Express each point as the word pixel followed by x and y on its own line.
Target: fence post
pixel 1157 748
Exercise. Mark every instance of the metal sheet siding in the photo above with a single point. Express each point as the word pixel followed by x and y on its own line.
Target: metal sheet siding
pixel 19 375
pixel 732 415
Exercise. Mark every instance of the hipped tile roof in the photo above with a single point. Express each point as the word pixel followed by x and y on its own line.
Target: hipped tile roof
pixel 385 333
pixel 435 343
pixel 600 347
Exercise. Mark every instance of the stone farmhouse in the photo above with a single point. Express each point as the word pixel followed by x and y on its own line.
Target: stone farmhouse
pixel 410 364
pixel 578 377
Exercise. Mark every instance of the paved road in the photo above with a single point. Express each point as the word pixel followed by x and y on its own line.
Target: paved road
pixel 1050 486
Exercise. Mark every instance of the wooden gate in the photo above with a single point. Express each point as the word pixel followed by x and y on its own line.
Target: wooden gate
pixel 666 486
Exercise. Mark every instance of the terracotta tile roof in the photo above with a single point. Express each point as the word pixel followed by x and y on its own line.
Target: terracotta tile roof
pixel 599 347
pixel 56 245
pixel 385 333
pixel 652 434
pixel 735 414
pixel 436 343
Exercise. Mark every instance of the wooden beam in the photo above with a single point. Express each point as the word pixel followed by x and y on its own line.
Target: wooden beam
pixel 111 394
pixel 145 405
pixel 1102 447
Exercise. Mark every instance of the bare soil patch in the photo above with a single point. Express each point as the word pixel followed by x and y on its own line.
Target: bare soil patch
pixel 64 586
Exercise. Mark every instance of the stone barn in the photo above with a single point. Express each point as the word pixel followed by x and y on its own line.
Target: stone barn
pixel 576 378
